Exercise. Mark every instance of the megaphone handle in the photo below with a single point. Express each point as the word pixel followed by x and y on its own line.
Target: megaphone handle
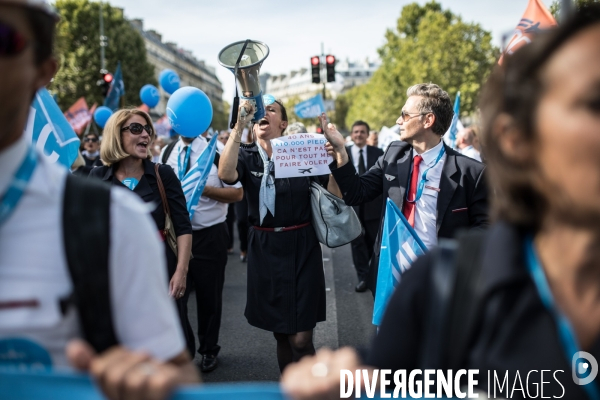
pixel 236 100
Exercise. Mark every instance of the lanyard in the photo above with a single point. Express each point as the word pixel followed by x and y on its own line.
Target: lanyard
pixel 424 178
pixel 565 330
pixel 181 169
pixel 16 188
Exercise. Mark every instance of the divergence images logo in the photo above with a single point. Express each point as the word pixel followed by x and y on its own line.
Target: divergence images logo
pixel 581 363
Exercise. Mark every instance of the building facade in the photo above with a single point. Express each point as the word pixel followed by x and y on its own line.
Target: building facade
pixel 192 72
pixel 298 84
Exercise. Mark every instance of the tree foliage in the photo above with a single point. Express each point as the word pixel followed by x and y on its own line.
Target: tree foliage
pixel 428 45
pixel 78 51
pixel 555 7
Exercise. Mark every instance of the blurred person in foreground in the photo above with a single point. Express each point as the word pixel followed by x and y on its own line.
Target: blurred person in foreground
pixel 467 143
pixel 146 358
pixel 126 154
pixel 537 298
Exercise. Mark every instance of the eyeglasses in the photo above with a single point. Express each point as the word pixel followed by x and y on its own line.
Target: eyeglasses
pixel 406 116
pixel 12 42
pixel 90 140
pixel 136 128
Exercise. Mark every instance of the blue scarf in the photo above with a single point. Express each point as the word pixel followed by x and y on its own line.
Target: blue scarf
pixel 267 186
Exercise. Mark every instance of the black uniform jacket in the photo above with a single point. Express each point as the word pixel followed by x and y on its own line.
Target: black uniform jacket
pixel 462 200
pixel 372 209
pixel 147 189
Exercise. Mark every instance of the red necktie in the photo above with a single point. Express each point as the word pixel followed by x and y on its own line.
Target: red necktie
pixel 409 208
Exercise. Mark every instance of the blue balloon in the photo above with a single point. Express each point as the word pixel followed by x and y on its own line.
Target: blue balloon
pixel 189 111
pixel 101 115
pixel 149 95
pixel 169 80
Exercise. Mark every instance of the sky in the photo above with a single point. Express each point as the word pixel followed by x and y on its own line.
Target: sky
pixel 294 31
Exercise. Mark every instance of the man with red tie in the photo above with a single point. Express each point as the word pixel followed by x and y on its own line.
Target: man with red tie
pixel 439 190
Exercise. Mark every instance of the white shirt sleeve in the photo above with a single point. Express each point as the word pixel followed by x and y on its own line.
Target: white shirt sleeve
pixel 144 315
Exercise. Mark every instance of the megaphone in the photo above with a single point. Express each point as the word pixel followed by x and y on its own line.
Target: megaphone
pixel 244 59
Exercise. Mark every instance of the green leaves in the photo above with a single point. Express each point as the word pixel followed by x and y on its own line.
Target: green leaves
pixel 78 52
pixel 429 45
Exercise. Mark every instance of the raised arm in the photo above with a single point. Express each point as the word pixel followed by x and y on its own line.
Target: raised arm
pixel 229 156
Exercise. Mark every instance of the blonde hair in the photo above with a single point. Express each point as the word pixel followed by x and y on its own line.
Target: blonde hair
pixel 112 150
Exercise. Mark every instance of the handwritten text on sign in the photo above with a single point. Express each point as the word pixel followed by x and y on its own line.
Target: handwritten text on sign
pixel 302 154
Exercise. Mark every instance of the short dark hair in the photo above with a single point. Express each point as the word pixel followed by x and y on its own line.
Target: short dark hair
pixel 360 123
pixel 284 116
pixel 44 29
pixel 515 89
pixel 435 101
pixel 91 134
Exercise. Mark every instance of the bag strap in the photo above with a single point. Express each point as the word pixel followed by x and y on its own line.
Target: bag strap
pixel 161 190
pixel 168 151
pixel 86 234
pixel 454 301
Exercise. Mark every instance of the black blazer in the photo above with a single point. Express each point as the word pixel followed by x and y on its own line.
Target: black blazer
pixel 462 201
pixel 147 189
pixel 371 209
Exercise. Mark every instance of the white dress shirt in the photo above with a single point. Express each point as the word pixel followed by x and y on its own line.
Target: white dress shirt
pixel 208 212
pixel 33 268
pixel 426 210
pixel 356 155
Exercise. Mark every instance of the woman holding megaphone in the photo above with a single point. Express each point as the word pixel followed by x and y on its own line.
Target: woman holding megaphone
pixel 286 284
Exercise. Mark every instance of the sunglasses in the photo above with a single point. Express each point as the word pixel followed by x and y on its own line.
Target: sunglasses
pixel 92 140
pixel 12 42
pixel 406 116
pixel 136 128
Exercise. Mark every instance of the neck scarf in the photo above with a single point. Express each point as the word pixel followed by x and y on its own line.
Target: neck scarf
pixel 267 186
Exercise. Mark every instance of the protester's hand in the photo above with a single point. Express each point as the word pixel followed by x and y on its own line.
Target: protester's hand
pixel 335 140
pixel 318 377
pixel 127 375
pixel 178 283
pixel 245 114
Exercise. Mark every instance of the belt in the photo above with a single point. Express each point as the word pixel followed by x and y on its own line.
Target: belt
pixel 282 228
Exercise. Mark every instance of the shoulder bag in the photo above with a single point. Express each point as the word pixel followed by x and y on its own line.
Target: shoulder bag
pixel 169 231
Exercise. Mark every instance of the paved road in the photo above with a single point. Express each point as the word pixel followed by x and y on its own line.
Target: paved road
pixel 248 353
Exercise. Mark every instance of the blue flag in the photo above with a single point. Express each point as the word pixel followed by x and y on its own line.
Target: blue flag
pixel 310 108
pixel 116 91
pixel 400 247
pixel 50 131
pixel 453 130
pixel 194 181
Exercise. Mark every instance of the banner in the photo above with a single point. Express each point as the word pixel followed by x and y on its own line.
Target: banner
pixel 78 115
pixel 194 181
pixel 400 247
pixel 450 135
pixel 536 18
pixel 310 108
pixel 50 132
pixel 301 154
pixel 163 127
pixel 387 136
pixel 116 91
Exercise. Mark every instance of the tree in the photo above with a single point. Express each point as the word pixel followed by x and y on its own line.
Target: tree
pixel 78 51
pixel 428 45
pixel 555 7
pixel 220 120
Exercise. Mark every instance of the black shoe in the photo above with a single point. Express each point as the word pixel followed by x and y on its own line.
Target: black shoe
pixel 361 287
pixel 209 363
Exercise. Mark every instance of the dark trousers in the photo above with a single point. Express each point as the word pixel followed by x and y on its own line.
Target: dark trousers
pixel 362 248
pixel 241 214
pixel 229 221
pixel 181 304
pixel 207 274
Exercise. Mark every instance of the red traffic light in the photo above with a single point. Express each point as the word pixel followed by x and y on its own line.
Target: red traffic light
pixel 315 60
pixel 108 77
pixel 330 59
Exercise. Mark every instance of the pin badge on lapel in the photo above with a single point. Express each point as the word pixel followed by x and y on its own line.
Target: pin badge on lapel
pixel 390 177
pixel 257 174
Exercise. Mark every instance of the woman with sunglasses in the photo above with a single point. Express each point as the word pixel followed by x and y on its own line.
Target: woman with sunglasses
pixel 126 154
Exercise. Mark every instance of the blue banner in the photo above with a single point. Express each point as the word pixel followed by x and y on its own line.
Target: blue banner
pixel 453 130
pixel 194 181
pixel 116 91
pixel 310 108
pixel 400 247
pixel 50 131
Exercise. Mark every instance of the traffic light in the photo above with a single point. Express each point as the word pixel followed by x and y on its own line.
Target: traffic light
pixel 315 63
pixel 330 62
pixel 105 81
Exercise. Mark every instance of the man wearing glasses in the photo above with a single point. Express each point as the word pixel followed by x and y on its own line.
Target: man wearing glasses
pixel 438 190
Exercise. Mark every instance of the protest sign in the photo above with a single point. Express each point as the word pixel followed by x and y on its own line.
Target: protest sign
pixel 302 154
